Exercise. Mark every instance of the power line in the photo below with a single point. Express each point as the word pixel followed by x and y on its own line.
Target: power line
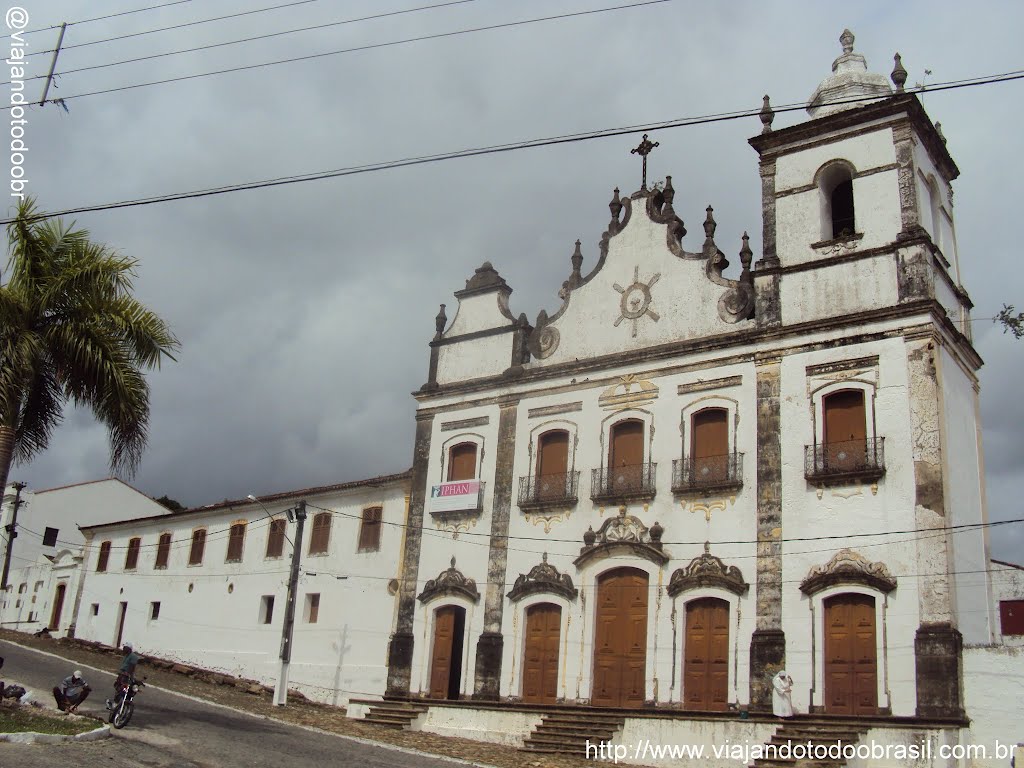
pixel 174 26
pixel 497 149
pixel 373 46
pixel 250 39
pixel 99 18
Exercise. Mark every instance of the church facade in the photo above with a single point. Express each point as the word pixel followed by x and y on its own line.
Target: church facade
pixel 681 482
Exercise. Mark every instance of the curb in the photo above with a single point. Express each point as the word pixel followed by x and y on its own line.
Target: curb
pixel 31 737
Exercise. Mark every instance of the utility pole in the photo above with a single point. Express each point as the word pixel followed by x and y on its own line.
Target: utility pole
pixel 281 691
pixel 12 533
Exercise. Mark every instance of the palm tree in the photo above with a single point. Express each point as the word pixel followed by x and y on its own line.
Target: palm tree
pixel 71 330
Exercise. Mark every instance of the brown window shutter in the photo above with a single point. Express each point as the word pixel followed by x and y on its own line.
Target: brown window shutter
pixel 275 538
pixel 101 563
pixel 627 441
pixel 236 539
pixel 369 531
pixel 320 540
pixel 163 550
pixel 314 607
pixel 553 453
pixel 131 557
pixel 462 462
pixel 195 556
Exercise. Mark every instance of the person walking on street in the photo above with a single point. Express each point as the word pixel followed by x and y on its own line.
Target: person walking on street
pixel 72 691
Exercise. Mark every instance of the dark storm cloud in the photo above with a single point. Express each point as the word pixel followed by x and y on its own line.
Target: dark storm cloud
pixel 305 311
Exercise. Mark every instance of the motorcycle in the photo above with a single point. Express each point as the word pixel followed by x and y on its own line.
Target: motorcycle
pixel 121 710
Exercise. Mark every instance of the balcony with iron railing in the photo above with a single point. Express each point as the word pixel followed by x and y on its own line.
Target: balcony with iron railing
pixel 635 482
pixel 543 491
pixel 845 461
pixel 708 474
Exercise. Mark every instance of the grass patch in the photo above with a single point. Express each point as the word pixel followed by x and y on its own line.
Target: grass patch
pixel 19 719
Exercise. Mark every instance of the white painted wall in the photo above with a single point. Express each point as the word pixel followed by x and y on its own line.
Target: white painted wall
pixel 1007 584
pixel 994 698
pixel 210 613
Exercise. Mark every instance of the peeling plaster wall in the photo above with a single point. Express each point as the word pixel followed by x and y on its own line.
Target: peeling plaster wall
pixel 963 477
pixel 473 358
pixel 841 288
pixel 993 695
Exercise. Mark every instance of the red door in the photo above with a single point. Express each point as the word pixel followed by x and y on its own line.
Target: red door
pixel 851 666
pixel 620 641
pixel 540 662
pixel 706 667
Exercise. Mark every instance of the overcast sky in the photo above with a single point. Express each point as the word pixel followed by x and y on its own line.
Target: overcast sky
pixel 304 311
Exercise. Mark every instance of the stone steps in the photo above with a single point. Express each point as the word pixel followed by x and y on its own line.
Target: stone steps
pixel 394 714
pixel 815 732
pixel 568 733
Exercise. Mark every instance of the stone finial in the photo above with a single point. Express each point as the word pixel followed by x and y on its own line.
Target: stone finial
pixel 710 225
pixel 767 115
pixel 899 74
pixel 615 206
pixel 589 537
pixel 577 259
pixel 656 531
pixel 440 321
pixel 707 547
pixel 453 561
pixel 938 130
pixel 846 40
pixel 669 193
pixel 746 255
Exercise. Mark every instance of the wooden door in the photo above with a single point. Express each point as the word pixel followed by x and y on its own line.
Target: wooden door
pixel 620 640
pixel 710 448
pixel 540 661
pixel 845 430
pixel 123 611
pixel 706 665
pixel 462 462
pixel 553 465
pixel 446 658
pixel 851 664
pixel 58 607
pixel 626 456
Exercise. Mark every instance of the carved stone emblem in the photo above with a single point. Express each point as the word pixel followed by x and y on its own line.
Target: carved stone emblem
pixel 543 578
pixel 629 392
pixel 848 567
pixel 707 571
pixel 450 582
pixel 636 300
pixel 623 534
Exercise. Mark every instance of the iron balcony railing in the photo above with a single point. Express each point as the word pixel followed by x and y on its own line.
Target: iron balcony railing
pixel 848 459
pixel 707 473
pixel 635 481
pixel 548 490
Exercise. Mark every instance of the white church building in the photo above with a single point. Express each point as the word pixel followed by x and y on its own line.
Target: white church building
pixel 679 483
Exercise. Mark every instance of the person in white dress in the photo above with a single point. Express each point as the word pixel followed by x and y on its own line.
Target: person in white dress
pixel 782 694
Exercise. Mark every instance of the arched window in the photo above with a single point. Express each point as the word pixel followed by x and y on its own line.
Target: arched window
pixel 462 462
pixel 195 555
pixel 553 465
pixel 835 184
pixel 101 562
pixel 710 445
pixel 845 432
pixel 131 556
pixel 163 551
pixel 626 455
pixel 236 540
pixel 321 538
pixel 935 205
pixel 275 538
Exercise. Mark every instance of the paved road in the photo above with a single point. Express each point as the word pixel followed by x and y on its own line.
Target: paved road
pixel 171 731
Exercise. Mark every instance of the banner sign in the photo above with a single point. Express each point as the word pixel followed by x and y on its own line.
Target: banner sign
pixel 454 496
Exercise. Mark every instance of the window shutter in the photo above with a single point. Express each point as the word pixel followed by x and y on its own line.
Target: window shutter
pixel 163 551
pixel 131 558
pixel 369 531
pixel 320 540
pixel 195 556
pixel 101 564
pixel 236 540
pixel 275 539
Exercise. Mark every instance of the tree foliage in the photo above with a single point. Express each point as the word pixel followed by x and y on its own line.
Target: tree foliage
pixel 70 330
pixel 1012 323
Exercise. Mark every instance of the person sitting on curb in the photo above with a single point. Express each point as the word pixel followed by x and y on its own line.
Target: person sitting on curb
pixel 71 692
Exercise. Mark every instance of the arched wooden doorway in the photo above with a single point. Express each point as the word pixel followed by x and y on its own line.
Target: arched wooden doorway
pixel 540 660
pixel 851 658
pixel 620 639
pixel 446 656
pixel 58 607
pixel 706 661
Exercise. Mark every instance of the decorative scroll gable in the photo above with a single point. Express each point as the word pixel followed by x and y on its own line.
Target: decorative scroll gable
pixel 623 534
pixel 707 571
pixel 543 579
pixel 450 582
pixel 848 567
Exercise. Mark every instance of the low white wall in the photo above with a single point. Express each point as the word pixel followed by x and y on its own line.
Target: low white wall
pixel 917 748
pixel 994 700
pixel 494 726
